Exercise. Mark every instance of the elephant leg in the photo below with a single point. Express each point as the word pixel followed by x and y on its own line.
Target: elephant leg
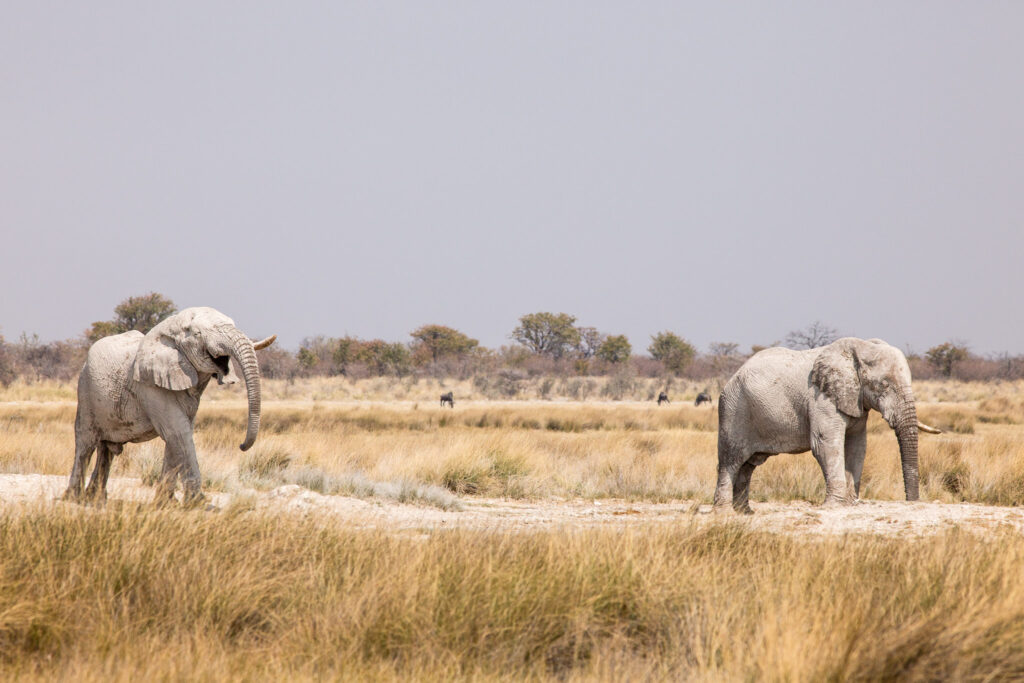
pixel 105 452
pixel 168 476
pixel 856 447
pixel 741 489
pixel 726 482
pixel 741 484
pixel 186 465
pixel 175 428
pixel 84 446
pixel 828 451
pixel 97 488
pixel 191 481
pixel 730 460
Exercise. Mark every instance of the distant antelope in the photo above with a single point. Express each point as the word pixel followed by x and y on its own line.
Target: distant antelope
pixel 448 398
pixel 703 397
pixel 663 398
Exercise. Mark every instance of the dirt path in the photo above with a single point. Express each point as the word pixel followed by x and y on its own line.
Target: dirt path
pixel 879 517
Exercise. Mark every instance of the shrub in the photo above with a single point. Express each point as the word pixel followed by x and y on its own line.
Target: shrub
pixel 944 356
pixel 615 349
pixel 35 360
pixel 811 337
pixel 672 350
pixel 433 342
pixel 548 334
pixel 508 382
pixel 620 385
pixel 277 363
pixel 140 313
pixel 8 371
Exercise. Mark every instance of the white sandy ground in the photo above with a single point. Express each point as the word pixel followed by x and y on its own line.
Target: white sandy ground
pixel 802 518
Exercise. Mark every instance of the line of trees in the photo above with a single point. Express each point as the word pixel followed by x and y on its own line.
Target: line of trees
pixel 544 343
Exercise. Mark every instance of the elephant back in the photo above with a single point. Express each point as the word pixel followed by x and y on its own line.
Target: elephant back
pixel 113 351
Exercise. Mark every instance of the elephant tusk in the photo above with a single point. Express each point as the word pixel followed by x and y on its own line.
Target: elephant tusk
pixel 264 343
pixel 925 428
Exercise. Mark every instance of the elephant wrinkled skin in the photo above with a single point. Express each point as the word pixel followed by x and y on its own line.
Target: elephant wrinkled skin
pixel 135 387
pixel 784 401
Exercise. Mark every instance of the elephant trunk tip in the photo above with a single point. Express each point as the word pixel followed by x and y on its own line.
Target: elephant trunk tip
pixel 247 445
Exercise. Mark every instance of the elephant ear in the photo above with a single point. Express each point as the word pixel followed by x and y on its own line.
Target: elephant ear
pixel 835 374
pixel 159 361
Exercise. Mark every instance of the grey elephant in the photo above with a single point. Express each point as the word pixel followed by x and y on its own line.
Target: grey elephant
pixel 135 387
pixel 783 401
pixel 449 399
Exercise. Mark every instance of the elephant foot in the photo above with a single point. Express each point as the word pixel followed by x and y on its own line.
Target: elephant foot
pixel 95 496
pixel 71 496
pixel 193 500
pixel 741 503
pixel 831 503
pixel 742 507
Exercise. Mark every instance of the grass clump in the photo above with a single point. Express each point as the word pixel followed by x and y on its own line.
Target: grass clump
pixel 496 473
pixel 263 464
pixel 948 471
pixel 957 421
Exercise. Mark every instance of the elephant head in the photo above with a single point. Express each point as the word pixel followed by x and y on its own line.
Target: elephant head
pixel 185 350
pixel 859 375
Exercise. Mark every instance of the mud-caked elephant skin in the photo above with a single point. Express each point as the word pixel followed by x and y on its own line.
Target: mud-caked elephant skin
pixel 136 387
pixel 783 401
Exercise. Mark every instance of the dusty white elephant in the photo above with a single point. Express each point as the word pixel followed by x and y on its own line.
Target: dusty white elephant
pixel 135 387
pixel 784 401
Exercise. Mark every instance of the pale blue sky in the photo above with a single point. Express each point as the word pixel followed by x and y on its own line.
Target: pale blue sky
pixel 729 171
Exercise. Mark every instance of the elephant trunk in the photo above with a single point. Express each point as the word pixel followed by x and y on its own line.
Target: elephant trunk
pixel 906 436
pixel 245 356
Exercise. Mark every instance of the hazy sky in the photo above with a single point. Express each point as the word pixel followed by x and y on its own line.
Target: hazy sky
pixel 728 171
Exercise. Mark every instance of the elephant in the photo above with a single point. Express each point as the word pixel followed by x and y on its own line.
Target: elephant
pixel 663 398
pixel 703 397
pixel 135 387
pixel 784 401
pixel 448 398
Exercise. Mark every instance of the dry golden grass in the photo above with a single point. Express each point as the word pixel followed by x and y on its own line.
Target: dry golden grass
pixel 536 449
pixel 132 592
pixel 142 594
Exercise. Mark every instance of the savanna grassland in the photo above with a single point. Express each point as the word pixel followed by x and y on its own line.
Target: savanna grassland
pixel 129 590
